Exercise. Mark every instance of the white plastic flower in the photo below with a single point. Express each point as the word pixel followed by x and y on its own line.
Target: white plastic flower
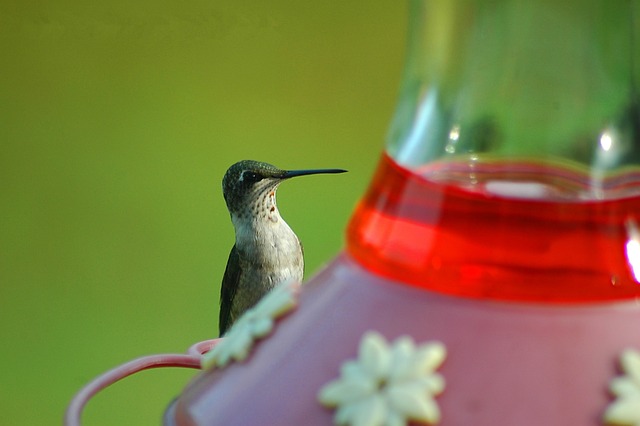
pixel 625 410
pixel 254 324
pixel 388 384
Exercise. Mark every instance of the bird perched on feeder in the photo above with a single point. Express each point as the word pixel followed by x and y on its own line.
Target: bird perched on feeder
pixel 266 251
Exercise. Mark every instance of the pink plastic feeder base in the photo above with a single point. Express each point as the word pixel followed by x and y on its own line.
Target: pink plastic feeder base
pixel 507 363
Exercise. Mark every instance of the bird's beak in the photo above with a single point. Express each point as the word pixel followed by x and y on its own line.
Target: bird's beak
pixel 294 173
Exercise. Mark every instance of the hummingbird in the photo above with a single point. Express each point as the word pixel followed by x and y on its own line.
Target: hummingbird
pixel 266 251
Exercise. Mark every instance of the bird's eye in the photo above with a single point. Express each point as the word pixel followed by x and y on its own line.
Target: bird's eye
pixel 248 176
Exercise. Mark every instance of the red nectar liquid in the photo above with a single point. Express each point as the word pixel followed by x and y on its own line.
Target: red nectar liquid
pixel 501 234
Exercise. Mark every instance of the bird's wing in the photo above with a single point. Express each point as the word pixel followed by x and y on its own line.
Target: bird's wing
pixel 228 290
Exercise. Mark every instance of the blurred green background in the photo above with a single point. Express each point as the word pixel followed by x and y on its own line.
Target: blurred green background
pixel 117 122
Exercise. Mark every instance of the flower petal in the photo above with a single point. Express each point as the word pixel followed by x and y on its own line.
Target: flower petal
pixel 624 411
pixel 342 391
pixel 354 370
pixel 208 360
pixel 371 411
pixel 624 386
pixel 429 356
pixel 630 363
pixel 432 384
pixel 374 354
pixel 413 403
pixel 245 319
pixel 278 301
pixel 402 350
pixel 239 345
pixel 344 414
pixel 394 419
pixel 261 326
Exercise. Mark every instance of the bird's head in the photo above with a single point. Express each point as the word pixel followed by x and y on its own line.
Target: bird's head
pixel 248 182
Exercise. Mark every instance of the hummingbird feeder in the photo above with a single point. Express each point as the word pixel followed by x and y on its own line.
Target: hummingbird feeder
pixel 491 274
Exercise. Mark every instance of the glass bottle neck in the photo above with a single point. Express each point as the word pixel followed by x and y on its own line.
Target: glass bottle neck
pixel 511 82
pixel 512 169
